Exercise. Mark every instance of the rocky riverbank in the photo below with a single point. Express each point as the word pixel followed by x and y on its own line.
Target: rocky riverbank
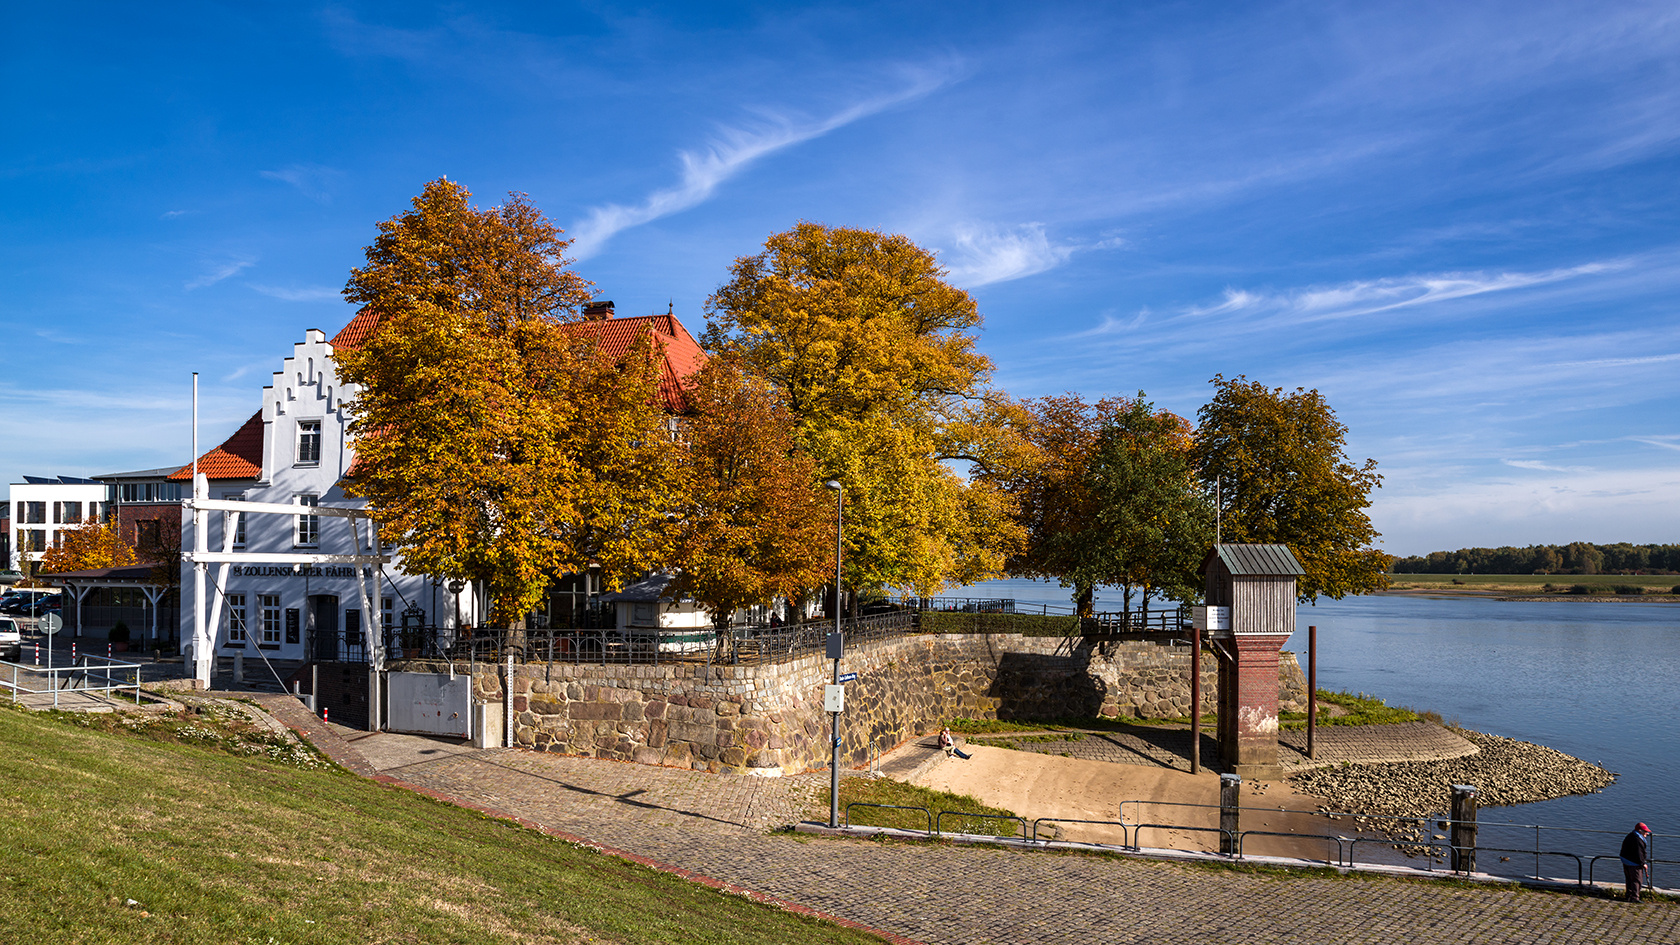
pixel 1504 770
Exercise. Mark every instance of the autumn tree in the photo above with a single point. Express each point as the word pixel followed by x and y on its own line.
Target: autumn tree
pixel 753 525
pixel 873 353
pixel 1152 521
pixel 87 546
pixel 492 437
pixel 1284 477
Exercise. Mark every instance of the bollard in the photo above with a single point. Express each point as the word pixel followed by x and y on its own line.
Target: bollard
pixel 72 651
pixel 239 667
pixel 324 714
pixel 1464 828
pixel 108 650
pixel 37 653
pixel 1230 797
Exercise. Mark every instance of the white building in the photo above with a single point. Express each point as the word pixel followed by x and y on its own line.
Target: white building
pixel 295 451
pixel 43 507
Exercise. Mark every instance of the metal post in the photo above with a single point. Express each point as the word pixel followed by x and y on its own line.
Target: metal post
pixel 507 703
pixel 1312 690
pixel 835 650
pixel 1464 828
pixel 1230 800
pixel 1195 700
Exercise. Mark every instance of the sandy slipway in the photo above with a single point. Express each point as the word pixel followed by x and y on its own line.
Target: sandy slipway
pixel 1504 770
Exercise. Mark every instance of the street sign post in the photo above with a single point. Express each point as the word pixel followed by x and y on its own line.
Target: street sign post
pixel 50 624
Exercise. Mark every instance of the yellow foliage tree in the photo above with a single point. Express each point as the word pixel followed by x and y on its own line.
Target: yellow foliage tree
pixel 87 546
pixel 872 351
pixel 494 440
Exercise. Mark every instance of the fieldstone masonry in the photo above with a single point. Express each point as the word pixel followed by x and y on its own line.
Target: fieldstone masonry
pixel 768 719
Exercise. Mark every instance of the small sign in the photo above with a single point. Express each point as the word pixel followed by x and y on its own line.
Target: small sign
pixel 50 624
pixel 834 698
pixel 1210 618
pixel 848 677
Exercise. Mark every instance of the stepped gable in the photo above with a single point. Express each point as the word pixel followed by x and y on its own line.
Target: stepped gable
pixel 239 457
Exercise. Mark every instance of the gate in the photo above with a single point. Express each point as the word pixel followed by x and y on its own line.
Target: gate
pixel 429 704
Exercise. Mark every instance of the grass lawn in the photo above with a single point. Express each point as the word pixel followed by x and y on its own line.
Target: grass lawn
pixel 899 794
pixel 1530 583
pixel 218 847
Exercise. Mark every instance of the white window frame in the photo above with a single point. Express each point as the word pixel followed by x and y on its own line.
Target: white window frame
pixel 238 519
pixel 308 446
pixel 307 532
pixel 269 604
pixel 237 624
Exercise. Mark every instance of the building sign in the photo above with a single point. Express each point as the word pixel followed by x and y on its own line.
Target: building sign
pixel 270 570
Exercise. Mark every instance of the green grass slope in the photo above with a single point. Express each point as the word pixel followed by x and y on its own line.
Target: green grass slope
pixel 218 848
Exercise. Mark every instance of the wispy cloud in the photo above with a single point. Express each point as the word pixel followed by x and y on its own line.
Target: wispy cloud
pixel 1544 467
pixel 172 214
pixel 314 181
pixel 311 293
pixel 1377 296
pixel 983 253
pixel 220 271
pixel 1666 441
pixel 730 152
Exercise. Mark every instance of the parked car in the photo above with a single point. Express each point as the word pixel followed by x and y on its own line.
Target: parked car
pixel 11 640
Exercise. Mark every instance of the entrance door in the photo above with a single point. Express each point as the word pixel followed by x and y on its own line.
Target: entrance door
pixel 323 619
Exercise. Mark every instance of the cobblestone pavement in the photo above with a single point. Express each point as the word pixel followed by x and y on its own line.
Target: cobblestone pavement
pixel 1145 745
pixel 935 893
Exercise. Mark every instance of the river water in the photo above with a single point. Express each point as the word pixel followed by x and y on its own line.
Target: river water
pixel 1598 680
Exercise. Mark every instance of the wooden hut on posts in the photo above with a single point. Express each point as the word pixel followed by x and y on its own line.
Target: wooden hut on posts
pixel 1255 586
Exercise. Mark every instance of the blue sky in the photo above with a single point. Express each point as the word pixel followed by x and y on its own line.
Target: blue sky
pixel 1458 221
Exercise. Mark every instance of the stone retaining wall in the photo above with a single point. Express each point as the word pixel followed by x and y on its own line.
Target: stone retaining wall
pixel 768 719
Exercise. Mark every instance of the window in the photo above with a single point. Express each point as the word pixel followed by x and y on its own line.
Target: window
pixel 67 513
pixel 36 539
pixel 308 442
pixel 148 533
pixel 151 492
pixel 353 627
pixel 385 614
pixel 642 615
pixel 236 619
pixel 238 519
pixel 36 513
pixel 270 604
pixel 308 526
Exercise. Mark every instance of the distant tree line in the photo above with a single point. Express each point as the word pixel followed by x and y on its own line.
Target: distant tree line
pixel 1577 557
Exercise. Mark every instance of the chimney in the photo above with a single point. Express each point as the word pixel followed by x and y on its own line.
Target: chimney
pixel 598 311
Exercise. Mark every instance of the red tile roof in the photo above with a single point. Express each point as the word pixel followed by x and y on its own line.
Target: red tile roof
pixel 240 457
pixel 357 332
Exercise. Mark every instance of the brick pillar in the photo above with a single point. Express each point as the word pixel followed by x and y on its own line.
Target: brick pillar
pixel 1249 740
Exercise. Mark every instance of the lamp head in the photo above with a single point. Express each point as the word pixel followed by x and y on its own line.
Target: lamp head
pixel 834 484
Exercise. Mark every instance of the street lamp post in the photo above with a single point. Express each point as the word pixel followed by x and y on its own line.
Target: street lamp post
pixel 834 650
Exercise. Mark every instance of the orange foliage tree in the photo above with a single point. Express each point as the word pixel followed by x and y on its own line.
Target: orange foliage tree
pixel 753 524
pixel 87 546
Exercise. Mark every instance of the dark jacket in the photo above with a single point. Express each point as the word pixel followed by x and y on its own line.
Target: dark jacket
pixel 1635 850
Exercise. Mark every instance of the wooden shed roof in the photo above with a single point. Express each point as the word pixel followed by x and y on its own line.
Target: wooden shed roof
pixel 1255 560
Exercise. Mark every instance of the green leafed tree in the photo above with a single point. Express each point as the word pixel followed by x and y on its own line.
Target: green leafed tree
pixel 1284 477
pixel 1152 520
pixel 872 351
pixel 493 440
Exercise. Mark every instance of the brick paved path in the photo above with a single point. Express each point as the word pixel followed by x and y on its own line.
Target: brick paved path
pixel 940 893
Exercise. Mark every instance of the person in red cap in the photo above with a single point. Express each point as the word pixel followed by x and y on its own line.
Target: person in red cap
pixel 1636 859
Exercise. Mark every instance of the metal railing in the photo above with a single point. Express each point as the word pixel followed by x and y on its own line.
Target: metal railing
pixel 1343 848
pixel 741 645
pixel 85 674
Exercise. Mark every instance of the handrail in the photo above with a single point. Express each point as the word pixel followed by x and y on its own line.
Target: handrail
pixel 1341 851
pixel 963 813
pixel 924 810
pixel 1124 827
